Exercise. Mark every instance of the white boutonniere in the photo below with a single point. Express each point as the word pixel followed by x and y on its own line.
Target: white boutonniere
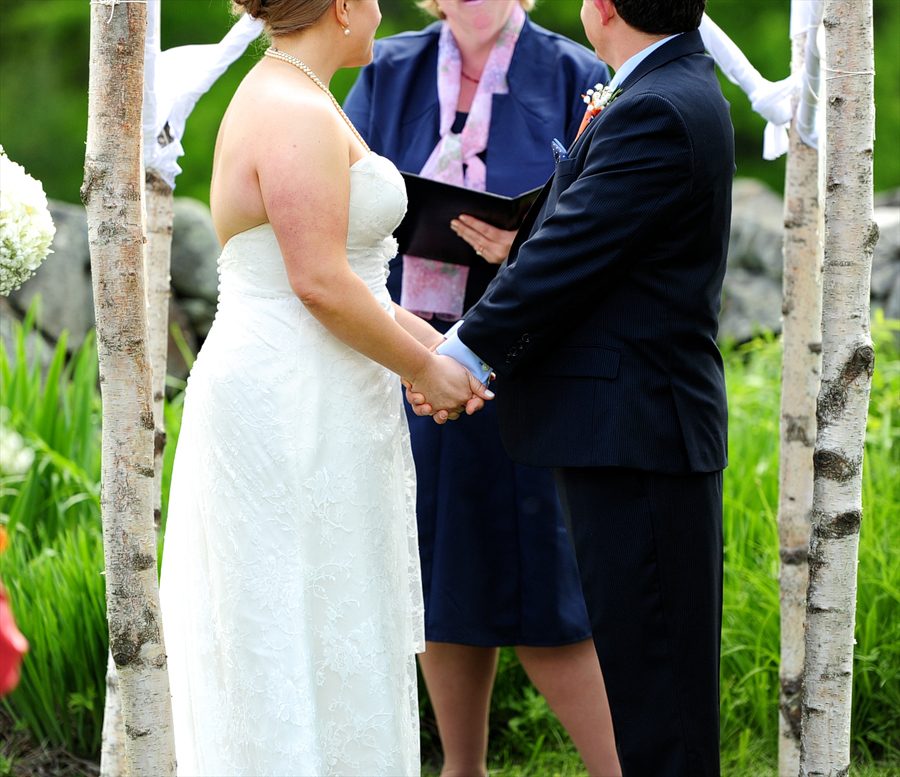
pixel 599 97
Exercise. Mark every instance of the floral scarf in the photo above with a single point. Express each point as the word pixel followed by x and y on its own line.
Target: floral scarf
pixel 435 287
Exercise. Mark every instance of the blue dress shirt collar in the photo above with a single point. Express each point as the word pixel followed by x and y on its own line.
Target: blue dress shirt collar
pixel 632 62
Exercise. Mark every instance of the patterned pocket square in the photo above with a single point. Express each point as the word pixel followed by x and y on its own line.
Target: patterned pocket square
pixel 559 151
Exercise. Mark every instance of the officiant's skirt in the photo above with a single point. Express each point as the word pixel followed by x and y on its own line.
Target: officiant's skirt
pixel 497 566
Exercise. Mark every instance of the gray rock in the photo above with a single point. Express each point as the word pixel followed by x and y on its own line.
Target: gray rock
pixel 890 198
pixel 200 315
pixel 35 343
pixel 886 259
pixel 63 280
pixel 751 303
pixel 751 298
pixel 195 250
pixel 892 303
pixel 757 229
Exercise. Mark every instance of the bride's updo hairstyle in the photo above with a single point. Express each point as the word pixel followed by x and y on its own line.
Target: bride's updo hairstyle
pixel 283 17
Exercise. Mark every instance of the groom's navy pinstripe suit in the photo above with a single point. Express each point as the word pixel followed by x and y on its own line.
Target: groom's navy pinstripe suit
pixel 602 330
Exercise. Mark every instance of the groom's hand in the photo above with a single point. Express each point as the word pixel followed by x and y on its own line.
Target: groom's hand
pixel 445 391
pixel 421 407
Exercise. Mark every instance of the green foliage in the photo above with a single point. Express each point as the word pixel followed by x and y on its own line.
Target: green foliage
pixel 58 416
pixel 57 593
pixel 53 567
pixel 751 622
pixel 53 570
pixel 44 76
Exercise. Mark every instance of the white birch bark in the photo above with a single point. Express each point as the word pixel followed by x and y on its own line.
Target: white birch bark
pixel 112 753
pixel 847 365
pixel 157 258
pixel 112 193
pixel 800 371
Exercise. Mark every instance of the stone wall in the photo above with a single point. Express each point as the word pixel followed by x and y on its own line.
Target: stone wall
pixel 751 299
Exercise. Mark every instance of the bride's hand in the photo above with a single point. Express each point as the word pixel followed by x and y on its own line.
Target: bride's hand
pixel 445 390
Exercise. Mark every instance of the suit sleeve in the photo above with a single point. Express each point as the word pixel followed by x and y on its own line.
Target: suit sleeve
pixel 637 173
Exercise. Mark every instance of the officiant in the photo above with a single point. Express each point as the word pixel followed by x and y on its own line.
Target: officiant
pixel 475 100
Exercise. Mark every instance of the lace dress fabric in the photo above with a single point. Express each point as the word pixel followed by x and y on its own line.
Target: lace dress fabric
pixel 291 591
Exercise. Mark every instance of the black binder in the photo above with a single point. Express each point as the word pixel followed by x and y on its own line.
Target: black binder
pixel 425 230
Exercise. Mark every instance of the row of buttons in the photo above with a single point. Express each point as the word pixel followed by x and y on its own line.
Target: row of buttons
pixel 518 348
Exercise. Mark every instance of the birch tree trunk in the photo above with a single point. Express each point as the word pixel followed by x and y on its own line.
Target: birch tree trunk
pixel 112 753
pixel 802 316
pixel 847 363
pixel 112 193
pixel 157 256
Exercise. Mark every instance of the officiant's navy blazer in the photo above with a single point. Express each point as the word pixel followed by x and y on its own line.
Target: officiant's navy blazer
pixel 394 105
pixel 602 324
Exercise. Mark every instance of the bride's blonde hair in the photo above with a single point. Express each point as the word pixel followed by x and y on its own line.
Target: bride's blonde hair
pixel 432 7
pixel 283 17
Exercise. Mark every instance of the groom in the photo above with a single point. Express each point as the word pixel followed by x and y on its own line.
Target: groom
pixel 601 328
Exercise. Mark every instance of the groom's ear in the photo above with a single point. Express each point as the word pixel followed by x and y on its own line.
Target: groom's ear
pixel 606 9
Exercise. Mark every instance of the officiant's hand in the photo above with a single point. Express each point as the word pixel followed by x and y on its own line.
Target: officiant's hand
pixel 490 243
pixel 445 391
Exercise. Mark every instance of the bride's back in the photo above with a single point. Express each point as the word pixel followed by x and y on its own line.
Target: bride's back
pixel 236 200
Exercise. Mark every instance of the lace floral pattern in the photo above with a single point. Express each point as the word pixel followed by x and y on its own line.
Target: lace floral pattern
pixel 291 591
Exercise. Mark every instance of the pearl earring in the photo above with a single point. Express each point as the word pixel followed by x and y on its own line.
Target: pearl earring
pixel 346 30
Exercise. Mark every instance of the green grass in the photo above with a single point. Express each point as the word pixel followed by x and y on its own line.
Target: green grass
pixel 53 570
pixel 564 762
pixel 58 415
pixel 58 597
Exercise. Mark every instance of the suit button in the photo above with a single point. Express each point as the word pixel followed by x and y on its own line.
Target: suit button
pixel 526 339
pixel 509 359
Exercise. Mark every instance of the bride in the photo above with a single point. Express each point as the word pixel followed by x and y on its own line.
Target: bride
pixel 291 594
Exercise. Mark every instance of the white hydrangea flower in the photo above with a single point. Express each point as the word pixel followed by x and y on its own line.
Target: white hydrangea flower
pixel 16 456
pixel 26 228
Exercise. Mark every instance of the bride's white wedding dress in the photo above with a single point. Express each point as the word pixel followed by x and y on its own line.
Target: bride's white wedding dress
pixel 291 594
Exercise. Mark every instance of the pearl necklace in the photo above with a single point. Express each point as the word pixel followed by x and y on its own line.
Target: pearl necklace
pixel 292 60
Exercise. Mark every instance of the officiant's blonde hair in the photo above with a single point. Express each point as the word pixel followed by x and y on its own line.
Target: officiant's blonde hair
pixel 282 17
pixel 432 7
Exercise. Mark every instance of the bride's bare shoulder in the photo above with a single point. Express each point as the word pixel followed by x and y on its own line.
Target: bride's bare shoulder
pixel 273 109
pixel 277 136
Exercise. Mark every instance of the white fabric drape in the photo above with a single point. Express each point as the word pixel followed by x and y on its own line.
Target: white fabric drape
pixel 808 15
pixel 772 100
pixel 173 82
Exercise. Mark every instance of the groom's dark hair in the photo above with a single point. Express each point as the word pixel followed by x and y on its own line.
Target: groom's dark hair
pixel 661 17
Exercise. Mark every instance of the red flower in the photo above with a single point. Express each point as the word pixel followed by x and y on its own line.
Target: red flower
pixel 12 647
pixel 12 644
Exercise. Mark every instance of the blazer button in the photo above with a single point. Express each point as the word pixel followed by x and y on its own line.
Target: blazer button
pixel 509 359
pixel 526 339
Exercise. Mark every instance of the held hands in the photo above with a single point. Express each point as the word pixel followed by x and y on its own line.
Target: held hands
pixel 444 390
pixel 490 243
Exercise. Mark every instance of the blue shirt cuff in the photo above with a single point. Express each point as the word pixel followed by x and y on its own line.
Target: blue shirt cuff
pixel 457 349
